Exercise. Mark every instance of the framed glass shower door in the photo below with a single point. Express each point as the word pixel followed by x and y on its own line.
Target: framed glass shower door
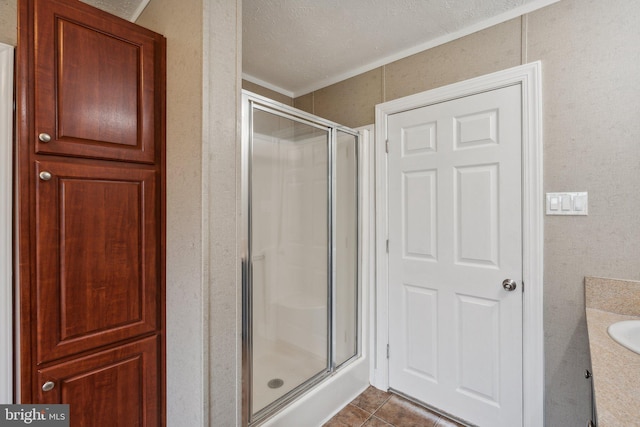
pixel 289 246
pixel 300 285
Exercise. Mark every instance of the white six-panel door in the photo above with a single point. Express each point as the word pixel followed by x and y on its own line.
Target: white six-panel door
pixel 455 234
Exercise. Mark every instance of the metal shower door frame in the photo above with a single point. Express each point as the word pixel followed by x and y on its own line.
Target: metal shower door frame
pixel 251 102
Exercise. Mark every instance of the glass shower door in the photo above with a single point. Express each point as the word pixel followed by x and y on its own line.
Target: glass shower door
pixel 346 248
pixel 301 301
pixel 289 247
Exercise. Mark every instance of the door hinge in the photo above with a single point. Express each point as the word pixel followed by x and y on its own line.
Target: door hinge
pixel 387 245
pixel 386 146
pixel 387 351
pixel 523 286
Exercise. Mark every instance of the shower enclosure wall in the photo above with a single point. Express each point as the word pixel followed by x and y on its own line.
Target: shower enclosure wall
pixel 301 257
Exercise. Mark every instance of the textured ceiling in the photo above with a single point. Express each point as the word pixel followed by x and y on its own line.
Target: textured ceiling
pixel 126 9
pixel 297 46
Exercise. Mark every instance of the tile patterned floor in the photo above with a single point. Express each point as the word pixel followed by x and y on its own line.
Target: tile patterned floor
pixel 376 408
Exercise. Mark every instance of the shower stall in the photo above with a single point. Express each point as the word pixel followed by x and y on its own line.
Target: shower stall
pixel 301 257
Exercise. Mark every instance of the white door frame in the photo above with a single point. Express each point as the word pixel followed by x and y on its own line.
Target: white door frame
pixel 529 78
pixel 6 241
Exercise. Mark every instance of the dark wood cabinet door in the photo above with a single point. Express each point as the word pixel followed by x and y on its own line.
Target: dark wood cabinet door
pixel 90 197
pixel 96 255
pixel 117 387
pixel 95 81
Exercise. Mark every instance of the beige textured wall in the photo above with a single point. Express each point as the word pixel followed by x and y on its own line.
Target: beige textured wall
pixel 363 91
pixel 486 51
pixel 263 91
pixel 8 22
pixel 203 291
pixel 181 23
pixel 222 84
pixel 590 59
pixel 202 136
pixel 351 102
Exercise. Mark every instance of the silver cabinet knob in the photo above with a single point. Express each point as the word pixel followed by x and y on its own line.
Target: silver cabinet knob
pixel 44 137
pixel 509 285
pixel 45 176
pixel 48 386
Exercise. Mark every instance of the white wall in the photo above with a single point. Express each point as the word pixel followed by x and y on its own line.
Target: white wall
pixel 6 180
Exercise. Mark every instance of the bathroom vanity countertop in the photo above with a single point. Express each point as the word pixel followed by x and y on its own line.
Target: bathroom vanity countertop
pixel 616 369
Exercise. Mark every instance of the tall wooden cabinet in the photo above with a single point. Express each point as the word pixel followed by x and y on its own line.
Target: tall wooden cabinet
pixel 90 196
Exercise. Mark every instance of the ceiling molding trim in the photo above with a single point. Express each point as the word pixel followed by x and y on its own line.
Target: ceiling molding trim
pixel 498 19
pixel 255 80
pixel 138 11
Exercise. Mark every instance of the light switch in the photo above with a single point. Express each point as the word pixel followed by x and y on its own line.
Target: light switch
pixel 580 203
pixel 567 203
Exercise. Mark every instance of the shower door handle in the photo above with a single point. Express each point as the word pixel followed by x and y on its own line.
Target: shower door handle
pixel 244 273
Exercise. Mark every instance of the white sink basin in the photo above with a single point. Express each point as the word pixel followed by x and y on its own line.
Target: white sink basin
pixel 626 333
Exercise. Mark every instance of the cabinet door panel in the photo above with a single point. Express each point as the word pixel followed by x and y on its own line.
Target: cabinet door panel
pixel 96 256
pixel 117 387
pixel 95 89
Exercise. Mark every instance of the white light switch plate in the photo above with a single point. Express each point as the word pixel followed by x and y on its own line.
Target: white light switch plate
pixel 568 203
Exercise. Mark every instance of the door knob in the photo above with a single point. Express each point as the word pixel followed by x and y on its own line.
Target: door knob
pixel 48 386
pixel 44 137
pixel 509 285
pixel 45 176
